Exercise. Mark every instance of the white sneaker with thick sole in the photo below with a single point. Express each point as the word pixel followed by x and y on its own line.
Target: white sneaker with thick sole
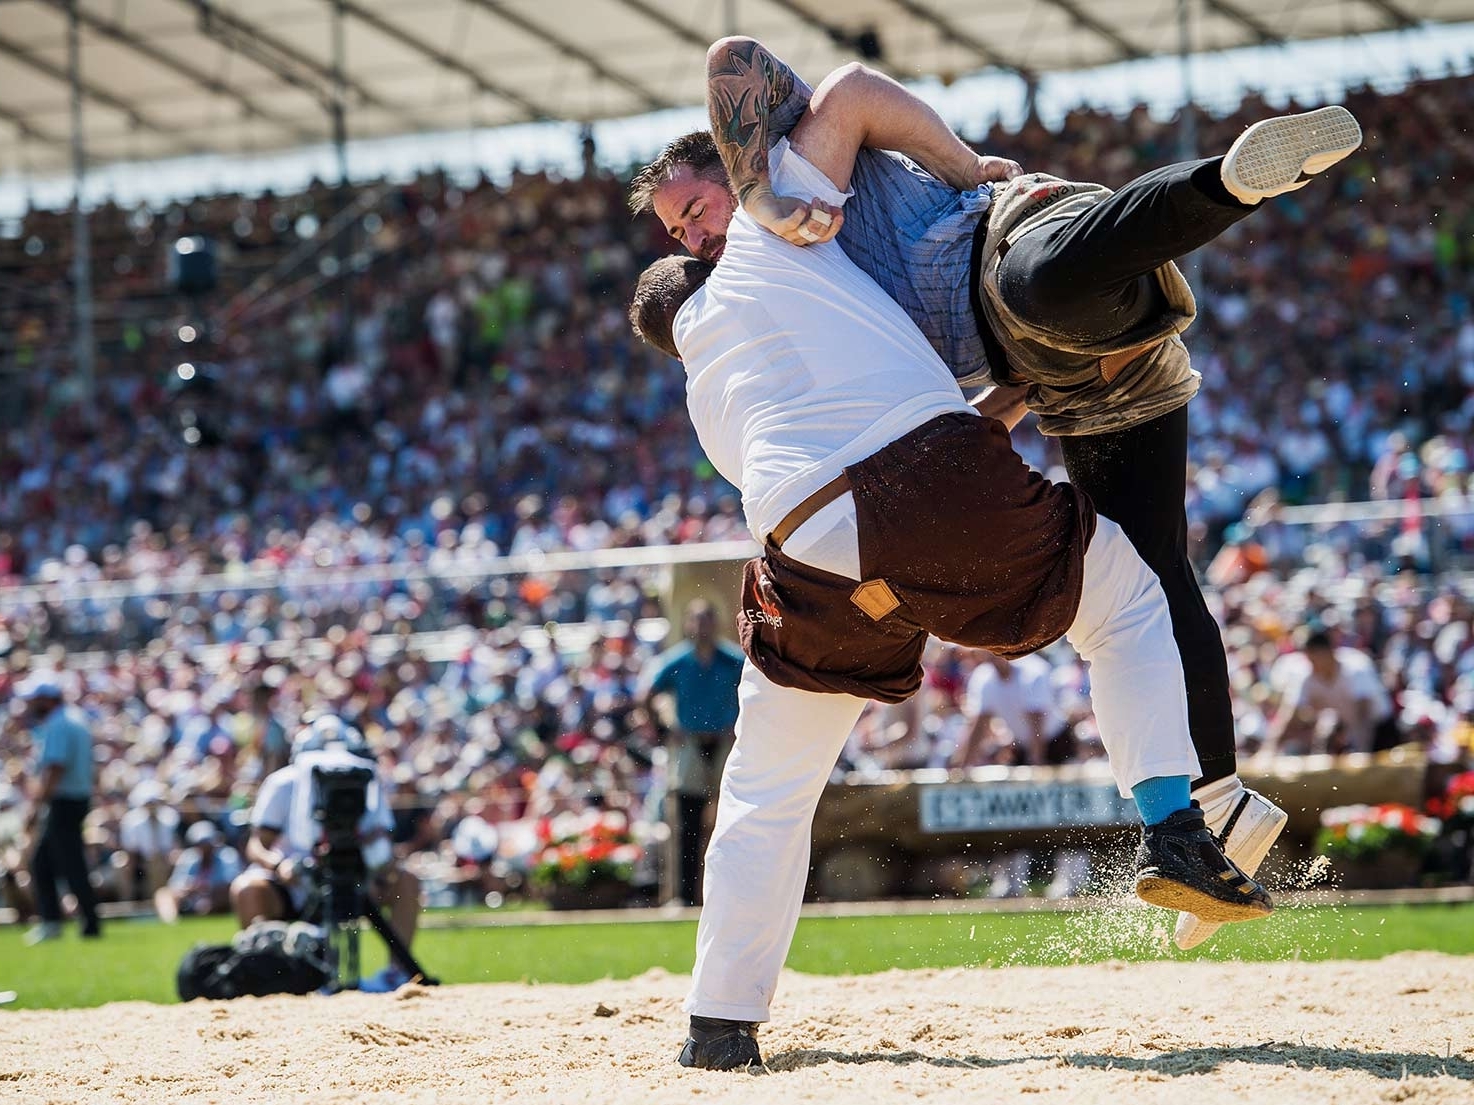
pixel 1246 824
pixel 1276 156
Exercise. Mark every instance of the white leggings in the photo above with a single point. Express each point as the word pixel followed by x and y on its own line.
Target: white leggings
pixel 788 741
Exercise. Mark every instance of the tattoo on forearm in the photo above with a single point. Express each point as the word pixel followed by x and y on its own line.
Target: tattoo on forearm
pixel 742 88
pixel 777 76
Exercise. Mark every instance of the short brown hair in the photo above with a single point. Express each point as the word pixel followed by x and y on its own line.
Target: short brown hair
pixel 697 149
pixel 661 290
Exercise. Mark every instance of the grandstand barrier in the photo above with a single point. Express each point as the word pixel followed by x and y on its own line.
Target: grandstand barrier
pixel 84 617
pixel 250 580
pixel 436 646
pixel 1432 535
pixel 714 573
pixel 1429 533
pixel 710 569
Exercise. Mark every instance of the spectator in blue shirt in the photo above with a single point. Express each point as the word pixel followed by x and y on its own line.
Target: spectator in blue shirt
pixel 60 798
pixel 700 675
pixel 202 876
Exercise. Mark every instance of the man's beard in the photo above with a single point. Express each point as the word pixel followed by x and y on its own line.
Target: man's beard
pixel 711 249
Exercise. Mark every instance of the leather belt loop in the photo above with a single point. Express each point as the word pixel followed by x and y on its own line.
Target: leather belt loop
pixel 808 508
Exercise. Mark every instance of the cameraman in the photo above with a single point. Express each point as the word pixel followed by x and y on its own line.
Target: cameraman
pixel 278 885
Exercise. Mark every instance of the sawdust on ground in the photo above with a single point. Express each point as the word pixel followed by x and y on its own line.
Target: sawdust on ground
pixel 1400 1029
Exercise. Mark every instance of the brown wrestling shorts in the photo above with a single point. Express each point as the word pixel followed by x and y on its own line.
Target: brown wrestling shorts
pixel 958 538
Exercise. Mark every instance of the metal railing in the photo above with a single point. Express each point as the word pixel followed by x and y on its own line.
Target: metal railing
pixel 299 579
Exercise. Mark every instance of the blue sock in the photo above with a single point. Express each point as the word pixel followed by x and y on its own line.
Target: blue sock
pixel 1157 799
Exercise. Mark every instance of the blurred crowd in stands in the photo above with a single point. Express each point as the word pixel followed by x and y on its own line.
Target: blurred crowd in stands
pixel 501 734
pixel 477 393
pixel 482 745
pixel 477 390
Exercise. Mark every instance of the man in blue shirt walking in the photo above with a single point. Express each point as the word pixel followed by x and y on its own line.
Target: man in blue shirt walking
pixel 60 798
pixel 701 676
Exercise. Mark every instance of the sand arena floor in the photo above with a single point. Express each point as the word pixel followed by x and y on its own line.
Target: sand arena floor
pixel 1399 1029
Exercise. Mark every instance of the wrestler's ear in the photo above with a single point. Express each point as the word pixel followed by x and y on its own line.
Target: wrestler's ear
pixel 659 294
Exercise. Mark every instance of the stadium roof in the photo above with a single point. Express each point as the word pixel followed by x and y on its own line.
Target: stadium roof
pixel 169 78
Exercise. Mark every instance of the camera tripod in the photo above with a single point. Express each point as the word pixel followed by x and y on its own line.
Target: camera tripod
pixel 343 900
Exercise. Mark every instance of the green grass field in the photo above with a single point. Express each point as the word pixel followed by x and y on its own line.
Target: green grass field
pixel 136 959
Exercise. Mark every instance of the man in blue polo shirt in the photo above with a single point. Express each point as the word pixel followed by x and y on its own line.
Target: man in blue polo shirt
pixel 701 675
pixel 60 797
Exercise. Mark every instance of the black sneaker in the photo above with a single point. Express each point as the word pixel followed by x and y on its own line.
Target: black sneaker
pixel 715 1044
pixel 1179 865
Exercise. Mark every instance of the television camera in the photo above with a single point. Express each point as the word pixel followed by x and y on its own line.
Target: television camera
pixel 340 874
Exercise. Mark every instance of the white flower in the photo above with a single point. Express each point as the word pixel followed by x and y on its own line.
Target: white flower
pixel 615 821
pixel 625 853
pixel 566 824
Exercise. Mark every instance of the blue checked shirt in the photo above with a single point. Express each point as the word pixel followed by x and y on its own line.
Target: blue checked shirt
pixel 912 235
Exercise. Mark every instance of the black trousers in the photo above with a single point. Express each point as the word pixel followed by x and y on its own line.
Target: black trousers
pixel 60 855
pixel 1091 277
pixel 690 810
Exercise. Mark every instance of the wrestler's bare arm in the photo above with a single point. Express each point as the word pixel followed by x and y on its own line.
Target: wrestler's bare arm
pixel 744 83
pixel 857 108
pixel 853 108
pixel 1004 402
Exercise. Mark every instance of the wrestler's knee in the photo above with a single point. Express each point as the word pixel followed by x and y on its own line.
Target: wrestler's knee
pixel 1036 284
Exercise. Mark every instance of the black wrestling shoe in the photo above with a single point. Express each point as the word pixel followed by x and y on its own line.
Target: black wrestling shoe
pixel 1180 865
pixel 715 1044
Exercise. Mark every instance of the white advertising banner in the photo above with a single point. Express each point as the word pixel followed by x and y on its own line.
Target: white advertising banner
pixel 990 807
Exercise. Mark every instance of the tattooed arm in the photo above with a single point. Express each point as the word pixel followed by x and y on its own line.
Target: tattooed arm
pixel 745 83
pixel 853 108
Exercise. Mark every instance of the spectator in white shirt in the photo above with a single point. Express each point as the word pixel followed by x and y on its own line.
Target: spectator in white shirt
pixel 149 833
pixel 1019 696
pixel 1331 699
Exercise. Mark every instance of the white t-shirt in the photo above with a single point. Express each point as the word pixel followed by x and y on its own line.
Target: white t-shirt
pixel 284 803
pixel 1027 689
pixel 149 836
pixel 798 365
pixel 1356 681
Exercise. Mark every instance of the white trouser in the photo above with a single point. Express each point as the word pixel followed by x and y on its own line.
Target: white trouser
pixel 788 741
pixel 758 859
pixel 1123 631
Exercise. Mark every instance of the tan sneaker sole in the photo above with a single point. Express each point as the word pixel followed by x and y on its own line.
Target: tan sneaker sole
pixel 1174 895
pixel 1276 156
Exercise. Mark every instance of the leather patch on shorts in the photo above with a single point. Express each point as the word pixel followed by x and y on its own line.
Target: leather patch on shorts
pixel 1112 363
pixel 875 598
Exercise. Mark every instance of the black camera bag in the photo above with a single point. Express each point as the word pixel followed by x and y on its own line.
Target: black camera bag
pixel 257 963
